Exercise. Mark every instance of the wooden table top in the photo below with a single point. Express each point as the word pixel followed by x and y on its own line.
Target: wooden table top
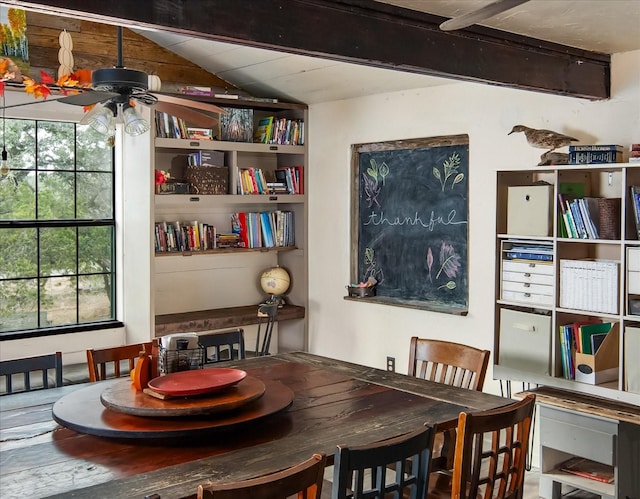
pixel 335 403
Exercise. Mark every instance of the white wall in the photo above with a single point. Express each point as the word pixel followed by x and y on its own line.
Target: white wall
pixel 368 333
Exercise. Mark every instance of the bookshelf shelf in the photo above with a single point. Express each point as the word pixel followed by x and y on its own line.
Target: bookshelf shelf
pixel 225 283
pixel 224 250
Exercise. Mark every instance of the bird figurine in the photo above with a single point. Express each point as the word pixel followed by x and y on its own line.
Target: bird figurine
pixel 546 139
pixel 543 139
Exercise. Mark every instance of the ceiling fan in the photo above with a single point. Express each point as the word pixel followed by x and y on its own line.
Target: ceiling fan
pixel 475 16
pixel 115 89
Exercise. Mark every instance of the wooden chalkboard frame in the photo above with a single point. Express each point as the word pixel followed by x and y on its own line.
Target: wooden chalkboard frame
pixel 437 167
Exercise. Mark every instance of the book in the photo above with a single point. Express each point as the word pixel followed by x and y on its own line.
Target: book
pixel 595 147
pixel 262 133
pixel 635 203
pixel 588 469
pixel 594 157
pixel 522 255
pixel 193 90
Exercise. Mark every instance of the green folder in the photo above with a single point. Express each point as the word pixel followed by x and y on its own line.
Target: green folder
pixel 587 330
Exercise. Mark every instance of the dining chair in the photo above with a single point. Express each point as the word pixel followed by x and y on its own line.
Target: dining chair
pixel 398 466
pixel 446 362
pixel 40 364
pixel 99 360
pixel 452 364
pixel 224 345
pixel 304 479
pixel 490 454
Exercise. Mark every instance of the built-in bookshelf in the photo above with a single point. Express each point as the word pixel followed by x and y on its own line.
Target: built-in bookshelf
pixel 234 235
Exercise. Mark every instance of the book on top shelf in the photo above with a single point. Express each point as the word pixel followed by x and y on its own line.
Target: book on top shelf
pixel 263 130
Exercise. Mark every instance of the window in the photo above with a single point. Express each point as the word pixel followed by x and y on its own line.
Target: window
pixel 57 229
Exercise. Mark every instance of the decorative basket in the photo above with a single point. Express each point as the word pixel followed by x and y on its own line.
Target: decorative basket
pixel 208 179
pixel 171 361
pixel 609 222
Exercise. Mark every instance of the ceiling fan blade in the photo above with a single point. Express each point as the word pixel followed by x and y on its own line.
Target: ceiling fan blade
pixel 88 98
pixel 203 106
pixel 480 14
pixel 189 115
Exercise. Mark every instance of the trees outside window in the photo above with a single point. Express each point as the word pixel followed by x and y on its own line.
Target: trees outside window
pixel 57 228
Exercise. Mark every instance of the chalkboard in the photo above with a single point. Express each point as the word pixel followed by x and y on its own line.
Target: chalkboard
pixel 409 221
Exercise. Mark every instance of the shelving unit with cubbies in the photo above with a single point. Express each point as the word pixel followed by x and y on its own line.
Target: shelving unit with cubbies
pixel 586 279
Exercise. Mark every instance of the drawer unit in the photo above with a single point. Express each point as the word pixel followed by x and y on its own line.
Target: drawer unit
pixel 527 282
pixel 578 434
pixel 525 341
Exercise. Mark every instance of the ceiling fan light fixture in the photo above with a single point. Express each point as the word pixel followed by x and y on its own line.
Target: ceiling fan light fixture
pixel 134 124
pixel 104 121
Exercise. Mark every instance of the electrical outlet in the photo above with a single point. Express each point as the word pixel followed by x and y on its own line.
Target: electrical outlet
pixel 391 364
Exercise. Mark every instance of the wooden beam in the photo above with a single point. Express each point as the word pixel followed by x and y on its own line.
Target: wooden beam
pixel 363 32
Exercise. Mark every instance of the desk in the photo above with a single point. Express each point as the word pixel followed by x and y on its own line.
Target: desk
pixel 335 403
pixel 605 431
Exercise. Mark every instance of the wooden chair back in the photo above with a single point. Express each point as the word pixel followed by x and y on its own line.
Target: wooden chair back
pixel 224 345
pixel 449 363
pixel 491 451
pixel 365 470
pixel 40 364
pixel 100 360
pixel 304 479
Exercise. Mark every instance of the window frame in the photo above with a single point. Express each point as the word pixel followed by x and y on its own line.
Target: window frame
pixel 73 223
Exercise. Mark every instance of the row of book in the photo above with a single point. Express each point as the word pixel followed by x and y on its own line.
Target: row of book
pixel 272 130
pixel 580 337
pixel 172 127
pixel 580 217
pixel 185 236
pixel 266 229
pixel 283 180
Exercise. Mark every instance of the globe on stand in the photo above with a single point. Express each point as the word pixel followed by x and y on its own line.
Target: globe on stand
pixel 275 282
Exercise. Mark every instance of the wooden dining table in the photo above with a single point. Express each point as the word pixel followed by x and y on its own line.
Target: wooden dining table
pixel 334 402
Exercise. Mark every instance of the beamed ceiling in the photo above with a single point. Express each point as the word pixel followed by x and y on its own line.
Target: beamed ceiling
pixel 318 50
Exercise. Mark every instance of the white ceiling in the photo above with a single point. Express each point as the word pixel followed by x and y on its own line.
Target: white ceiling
pixel 607 26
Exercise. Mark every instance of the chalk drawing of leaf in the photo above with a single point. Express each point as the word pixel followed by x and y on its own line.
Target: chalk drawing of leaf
pixel 449 285
pixel 371 190
pixel 429 262
pixel 436 173
pixel 373 171
pixel 459 178
pixel 368 255
pixel 384 171
pixel 449 261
